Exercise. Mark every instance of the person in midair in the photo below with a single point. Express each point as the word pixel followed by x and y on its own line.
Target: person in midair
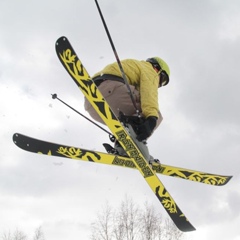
pixel 144 79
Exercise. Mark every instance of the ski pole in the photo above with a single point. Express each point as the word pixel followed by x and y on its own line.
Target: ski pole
pixel 117 58
pixel 54 96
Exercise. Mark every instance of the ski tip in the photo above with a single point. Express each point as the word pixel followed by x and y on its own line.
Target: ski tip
pixel 228 179
pixel 224 181
pixel 61 39
pixel 15 137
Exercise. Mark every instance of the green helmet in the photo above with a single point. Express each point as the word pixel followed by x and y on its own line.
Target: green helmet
pixel 163 69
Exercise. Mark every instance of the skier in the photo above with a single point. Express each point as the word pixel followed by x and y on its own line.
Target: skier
pixel 144 78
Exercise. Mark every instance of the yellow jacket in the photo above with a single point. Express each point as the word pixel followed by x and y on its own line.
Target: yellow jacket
pixel 145 79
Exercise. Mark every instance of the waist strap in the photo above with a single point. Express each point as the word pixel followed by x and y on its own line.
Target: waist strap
pixel 99 79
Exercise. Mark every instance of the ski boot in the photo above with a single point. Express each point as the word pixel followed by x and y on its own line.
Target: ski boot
pixel 153 161
pixel 110 149
pixel 117 149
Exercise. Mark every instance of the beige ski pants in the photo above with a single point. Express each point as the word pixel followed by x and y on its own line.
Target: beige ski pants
pixel 118 98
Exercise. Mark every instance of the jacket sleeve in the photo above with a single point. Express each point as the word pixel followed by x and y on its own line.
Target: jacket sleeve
pixel 149 81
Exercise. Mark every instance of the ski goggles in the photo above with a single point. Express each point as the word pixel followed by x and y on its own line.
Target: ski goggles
pixel 163 78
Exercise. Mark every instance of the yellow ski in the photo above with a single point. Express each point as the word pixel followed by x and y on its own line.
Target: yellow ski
pixel 75 68
pixel 59 150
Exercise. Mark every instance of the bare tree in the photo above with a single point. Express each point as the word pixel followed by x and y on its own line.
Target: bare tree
pixel 130 222
pixel 171 232
pixel 20 235
pixel 16 235
pixel 102 227
pixel 118 227
pixel 151 223
pixel 38 234
pixel 6 236
pixel 128 217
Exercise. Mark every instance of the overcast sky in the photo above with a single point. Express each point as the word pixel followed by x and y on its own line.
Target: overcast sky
pixel 200 40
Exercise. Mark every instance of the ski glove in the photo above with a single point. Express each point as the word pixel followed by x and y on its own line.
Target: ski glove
pixel 145 130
